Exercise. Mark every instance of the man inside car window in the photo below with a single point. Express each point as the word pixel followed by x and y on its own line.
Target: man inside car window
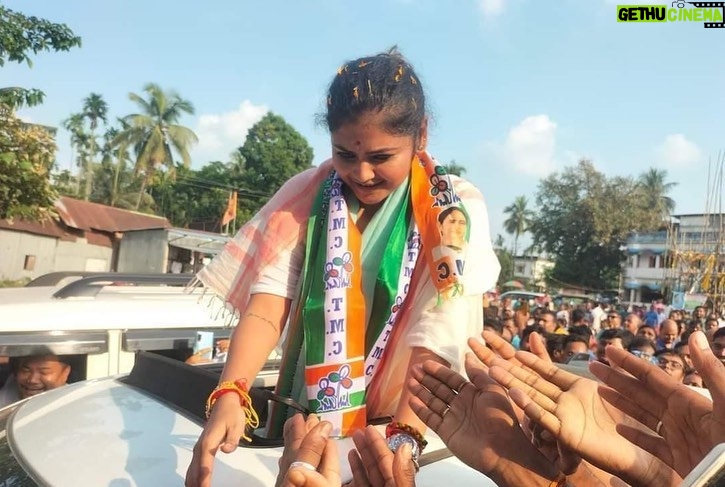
pixel 32 375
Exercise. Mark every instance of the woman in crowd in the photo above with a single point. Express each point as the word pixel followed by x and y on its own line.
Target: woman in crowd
pixel 362 262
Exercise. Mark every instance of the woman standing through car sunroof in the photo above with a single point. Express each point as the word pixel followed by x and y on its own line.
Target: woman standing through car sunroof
pixel 349 260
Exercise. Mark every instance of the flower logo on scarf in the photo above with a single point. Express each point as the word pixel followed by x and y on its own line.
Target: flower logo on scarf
pixel 335 271
pixel 329 393
pixel 439 183
pixel 330 271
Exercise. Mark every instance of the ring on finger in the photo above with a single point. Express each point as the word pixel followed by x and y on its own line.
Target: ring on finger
pixel 445 411
pixel 458 389
pixel 658 427
pixel 305 465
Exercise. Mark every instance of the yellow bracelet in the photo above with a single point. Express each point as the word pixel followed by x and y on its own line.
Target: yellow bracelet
pixel 245 401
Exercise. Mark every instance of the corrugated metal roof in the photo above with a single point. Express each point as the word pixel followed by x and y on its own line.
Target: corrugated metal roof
pixel 88 216
pixel 197 240
pixel 48 228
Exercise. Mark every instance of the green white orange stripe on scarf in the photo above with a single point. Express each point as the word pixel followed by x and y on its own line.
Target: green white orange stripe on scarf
pixel 342 352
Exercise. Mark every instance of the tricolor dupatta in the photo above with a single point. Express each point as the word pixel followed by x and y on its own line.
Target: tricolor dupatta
pixel 342 353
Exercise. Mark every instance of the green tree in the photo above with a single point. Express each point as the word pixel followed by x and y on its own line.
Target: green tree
pixel 194 199
pixel 95 109
pixel 114 181
pixel 272 153
pixel 454 168
pixel 654 188
pixel 506 260
pixel 27 153
pixel 519 218
pixel 21 36
pixel 582 221
pixel 79 139
pixel 155 134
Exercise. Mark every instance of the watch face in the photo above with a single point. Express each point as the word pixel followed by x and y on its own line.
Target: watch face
pixel 399 439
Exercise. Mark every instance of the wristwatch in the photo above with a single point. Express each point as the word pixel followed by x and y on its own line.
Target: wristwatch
pixel 399 439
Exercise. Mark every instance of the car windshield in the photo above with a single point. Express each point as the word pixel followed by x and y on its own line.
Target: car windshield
pixel 11 473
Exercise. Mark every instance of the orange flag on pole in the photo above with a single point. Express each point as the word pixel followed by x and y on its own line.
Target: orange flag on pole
pixel 231 212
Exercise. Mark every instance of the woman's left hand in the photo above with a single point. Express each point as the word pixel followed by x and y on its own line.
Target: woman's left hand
pixel 311 461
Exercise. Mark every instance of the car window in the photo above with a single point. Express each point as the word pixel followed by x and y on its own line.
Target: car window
pixel 11 473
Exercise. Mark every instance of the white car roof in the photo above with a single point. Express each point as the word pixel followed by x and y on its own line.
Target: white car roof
pixel 132 307
pixel 106 432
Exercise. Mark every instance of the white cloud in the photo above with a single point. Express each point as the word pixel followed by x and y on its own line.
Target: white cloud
pixel 220 134
pixel 530 146
pixel 491 8
pixel 677 151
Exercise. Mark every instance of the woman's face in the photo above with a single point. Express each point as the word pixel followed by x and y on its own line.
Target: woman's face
pixel 372 162
pixel 453 229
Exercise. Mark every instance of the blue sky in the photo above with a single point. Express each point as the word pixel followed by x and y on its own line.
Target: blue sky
pixel 518 88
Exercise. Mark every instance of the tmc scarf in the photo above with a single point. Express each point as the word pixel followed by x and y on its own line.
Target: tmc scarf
pixel 342 351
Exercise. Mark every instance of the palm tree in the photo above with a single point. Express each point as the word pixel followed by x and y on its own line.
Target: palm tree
pixel 95 109
pixel 113 162
pixel 518 219
pixel 154 132
pixel 654 191
pixel 78 138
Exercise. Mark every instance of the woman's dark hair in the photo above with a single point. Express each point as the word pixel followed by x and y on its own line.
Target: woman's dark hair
pixel 385 83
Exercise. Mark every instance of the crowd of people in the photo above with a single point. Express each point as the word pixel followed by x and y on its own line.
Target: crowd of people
pixel 520 419
pixel 658 334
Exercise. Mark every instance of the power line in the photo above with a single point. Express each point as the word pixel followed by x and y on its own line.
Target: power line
pixel 200 182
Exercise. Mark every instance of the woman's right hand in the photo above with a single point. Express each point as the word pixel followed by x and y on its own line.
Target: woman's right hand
pixel 223 431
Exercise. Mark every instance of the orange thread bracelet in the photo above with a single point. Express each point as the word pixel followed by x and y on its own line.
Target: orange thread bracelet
pixel 245 401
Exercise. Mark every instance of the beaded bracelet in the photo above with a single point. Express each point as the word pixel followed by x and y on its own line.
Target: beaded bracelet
pixel 245 401
pixel 397 427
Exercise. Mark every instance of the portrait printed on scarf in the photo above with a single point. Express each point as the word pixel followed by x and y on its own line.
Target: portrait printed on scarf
pixel 453 226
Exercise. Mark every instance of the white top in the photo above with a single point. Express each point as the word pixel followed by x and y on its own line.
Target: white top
pixel 442 329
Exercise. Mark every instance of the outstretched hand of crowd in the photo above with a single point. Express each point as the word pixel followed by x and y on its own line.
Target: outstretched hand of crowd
pixel 686 424
pixel 310 457
pixel 567 461
pixel 571 409
pixel 374 465
pixel 477 423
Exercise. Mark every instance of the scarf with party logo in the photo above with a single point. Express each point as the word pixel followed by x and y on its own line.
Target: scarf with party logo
pixel 341 352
